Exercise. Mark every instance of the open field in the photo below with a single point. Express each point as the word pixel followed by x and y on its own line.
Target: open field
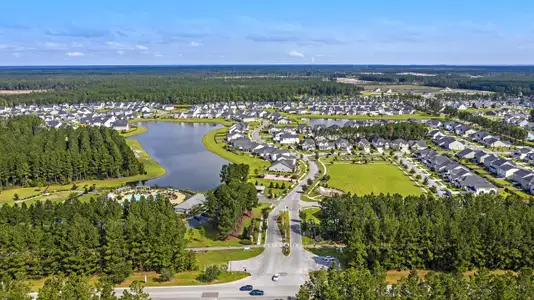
pixel 216 147
pixel 417 116
pixel 153 169
pixel 209 239
pixel 134 131
pixel 20 92
pixel 370 178
pixel 312 213
pixel 193 120
pixel 406 88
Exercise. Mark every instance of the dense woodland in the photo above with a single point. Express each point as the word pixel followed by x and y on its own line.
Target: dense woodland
pixel 32 154
pixel 406 131
pixel 229 201
pixel 457 233
pixel 352 284
pixel 99 237
pixel 165 89
pixel 506 131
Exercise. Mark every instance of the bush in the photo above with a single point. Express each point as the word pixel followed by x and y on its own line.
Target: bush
pixel 211 273
pixel 16 197
pixel 166 274
pixel 245 242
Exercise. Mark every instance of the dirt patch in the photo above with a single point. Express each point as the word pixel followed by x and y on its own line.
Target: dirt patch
pixel 328 192
pixel 20 92
pixel 278 177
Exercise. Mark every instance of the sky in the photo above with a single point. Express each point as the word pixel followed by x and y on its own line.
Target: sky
pixel 178 32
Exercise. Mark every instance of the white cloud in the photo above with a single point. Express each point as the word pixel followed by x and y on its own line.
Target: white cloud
pixel 157 54
pixel 114 44
pixel 141 47
pixel 194 44
pixel 17 54
pixel 74 54
pixel 295 54
pixel 145 52
pixel 120 52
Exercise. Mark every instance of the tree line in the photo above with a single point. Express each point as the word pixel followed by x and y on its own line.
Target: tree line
pixel 32 154
pixel 364 284
pixel 169 89
pixel 100 237
pixel 227 203
pixel 450 233
pixel 506 131
pixel 391 131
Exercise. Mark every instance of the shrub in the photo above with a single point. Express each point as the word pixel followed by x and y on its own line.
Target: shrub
pixel 166 274
pixel 211 273
pixel 245 242
pixel 120 272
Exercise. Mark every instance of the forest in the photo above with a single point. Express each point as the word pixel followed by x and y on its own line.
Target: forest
pixel 406 131
pixel 167 89
pixel 227 203
pixel 352 284
pixel 506 131
pixel 32 154
pixel 456 233
pixel 99 237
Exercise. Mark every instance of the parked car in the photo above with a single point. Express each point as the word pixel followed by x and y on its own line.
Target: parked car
pixel 276 277
pixel 256 293
pixel 247 287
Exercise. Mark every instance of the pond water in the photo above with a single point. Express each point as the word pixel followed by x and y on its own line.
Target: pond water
pixel 326 122
pixel 178 148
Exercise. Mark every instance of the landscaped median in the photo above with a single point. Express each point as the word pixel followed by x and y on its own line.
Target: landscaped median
pixel 135 130
pixel 284 226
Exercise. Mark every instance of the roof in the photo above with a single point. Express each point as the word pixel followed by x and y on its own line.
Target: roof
pixel 193 201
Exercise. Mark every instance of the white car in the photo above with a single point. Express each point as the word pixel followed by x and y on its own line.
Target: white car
pixel 276 277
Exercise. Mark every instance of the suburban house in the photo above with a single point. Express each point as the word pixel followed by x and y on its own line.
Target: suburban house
pixel 308 145
pixel 289 138
pixel 283 165
pixel 466 154
pixel 363 144
pixel 187 205
pixel 121 125
pixel 399 144
pixel 417 145
pixel 343 144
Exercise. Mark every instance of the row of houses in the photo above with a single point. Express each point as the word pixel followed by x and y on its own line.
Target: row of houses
pixel 502 168
pixel 362 144
pixel 109 114
pixel 281 160
pixel 479 136
pixel 452 171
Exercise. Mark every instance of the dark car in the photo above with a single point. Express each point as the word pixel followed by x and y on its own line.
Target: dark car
pixel 247 287
pixel 256 293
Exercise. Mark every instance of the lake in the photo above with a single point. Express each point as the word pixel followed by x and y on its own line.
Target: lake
pixel 178 148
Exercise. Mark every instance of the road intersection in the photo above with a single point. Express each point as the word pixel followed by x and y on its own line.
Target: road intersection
pixel 293 268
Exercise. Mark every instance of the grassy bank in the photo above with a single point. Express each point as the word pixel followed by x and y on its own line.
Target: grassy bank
pixel 192 120
pixel 216 146
pixel 153 169
pixel 137 130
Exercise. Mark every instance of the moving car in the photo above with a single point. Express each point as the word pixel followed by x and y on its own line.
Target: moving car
pixel 256 293
pixel 247 287
pixel 276 277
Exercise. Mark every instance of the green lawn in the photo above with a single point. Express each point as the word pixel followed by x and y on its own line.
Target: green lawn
pixel 137 130
pixel 217 257
pixel 218 148
pixel 153 169
pixel 210 239
pixel 313 213
pixel 370 178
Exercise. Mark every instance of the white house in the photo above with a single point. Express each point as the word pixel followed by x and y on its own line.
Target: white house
pixel 289 138
pixel 283 165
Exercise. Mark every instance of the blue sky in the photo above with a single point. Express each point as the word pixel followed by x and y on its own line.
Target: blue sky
pixel 119 32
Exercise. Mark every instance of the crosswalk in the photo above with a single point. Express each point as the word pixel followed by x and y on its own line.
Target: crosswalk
pixel 280 245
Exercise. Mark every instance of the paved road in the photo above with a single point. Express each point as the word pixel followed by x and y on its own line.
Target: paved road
pixel 441 191
pixel 293 269
pixel 256 132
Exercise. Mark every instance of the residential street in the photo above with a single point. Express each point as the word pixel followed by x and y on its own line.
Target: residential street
pixel 441 190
